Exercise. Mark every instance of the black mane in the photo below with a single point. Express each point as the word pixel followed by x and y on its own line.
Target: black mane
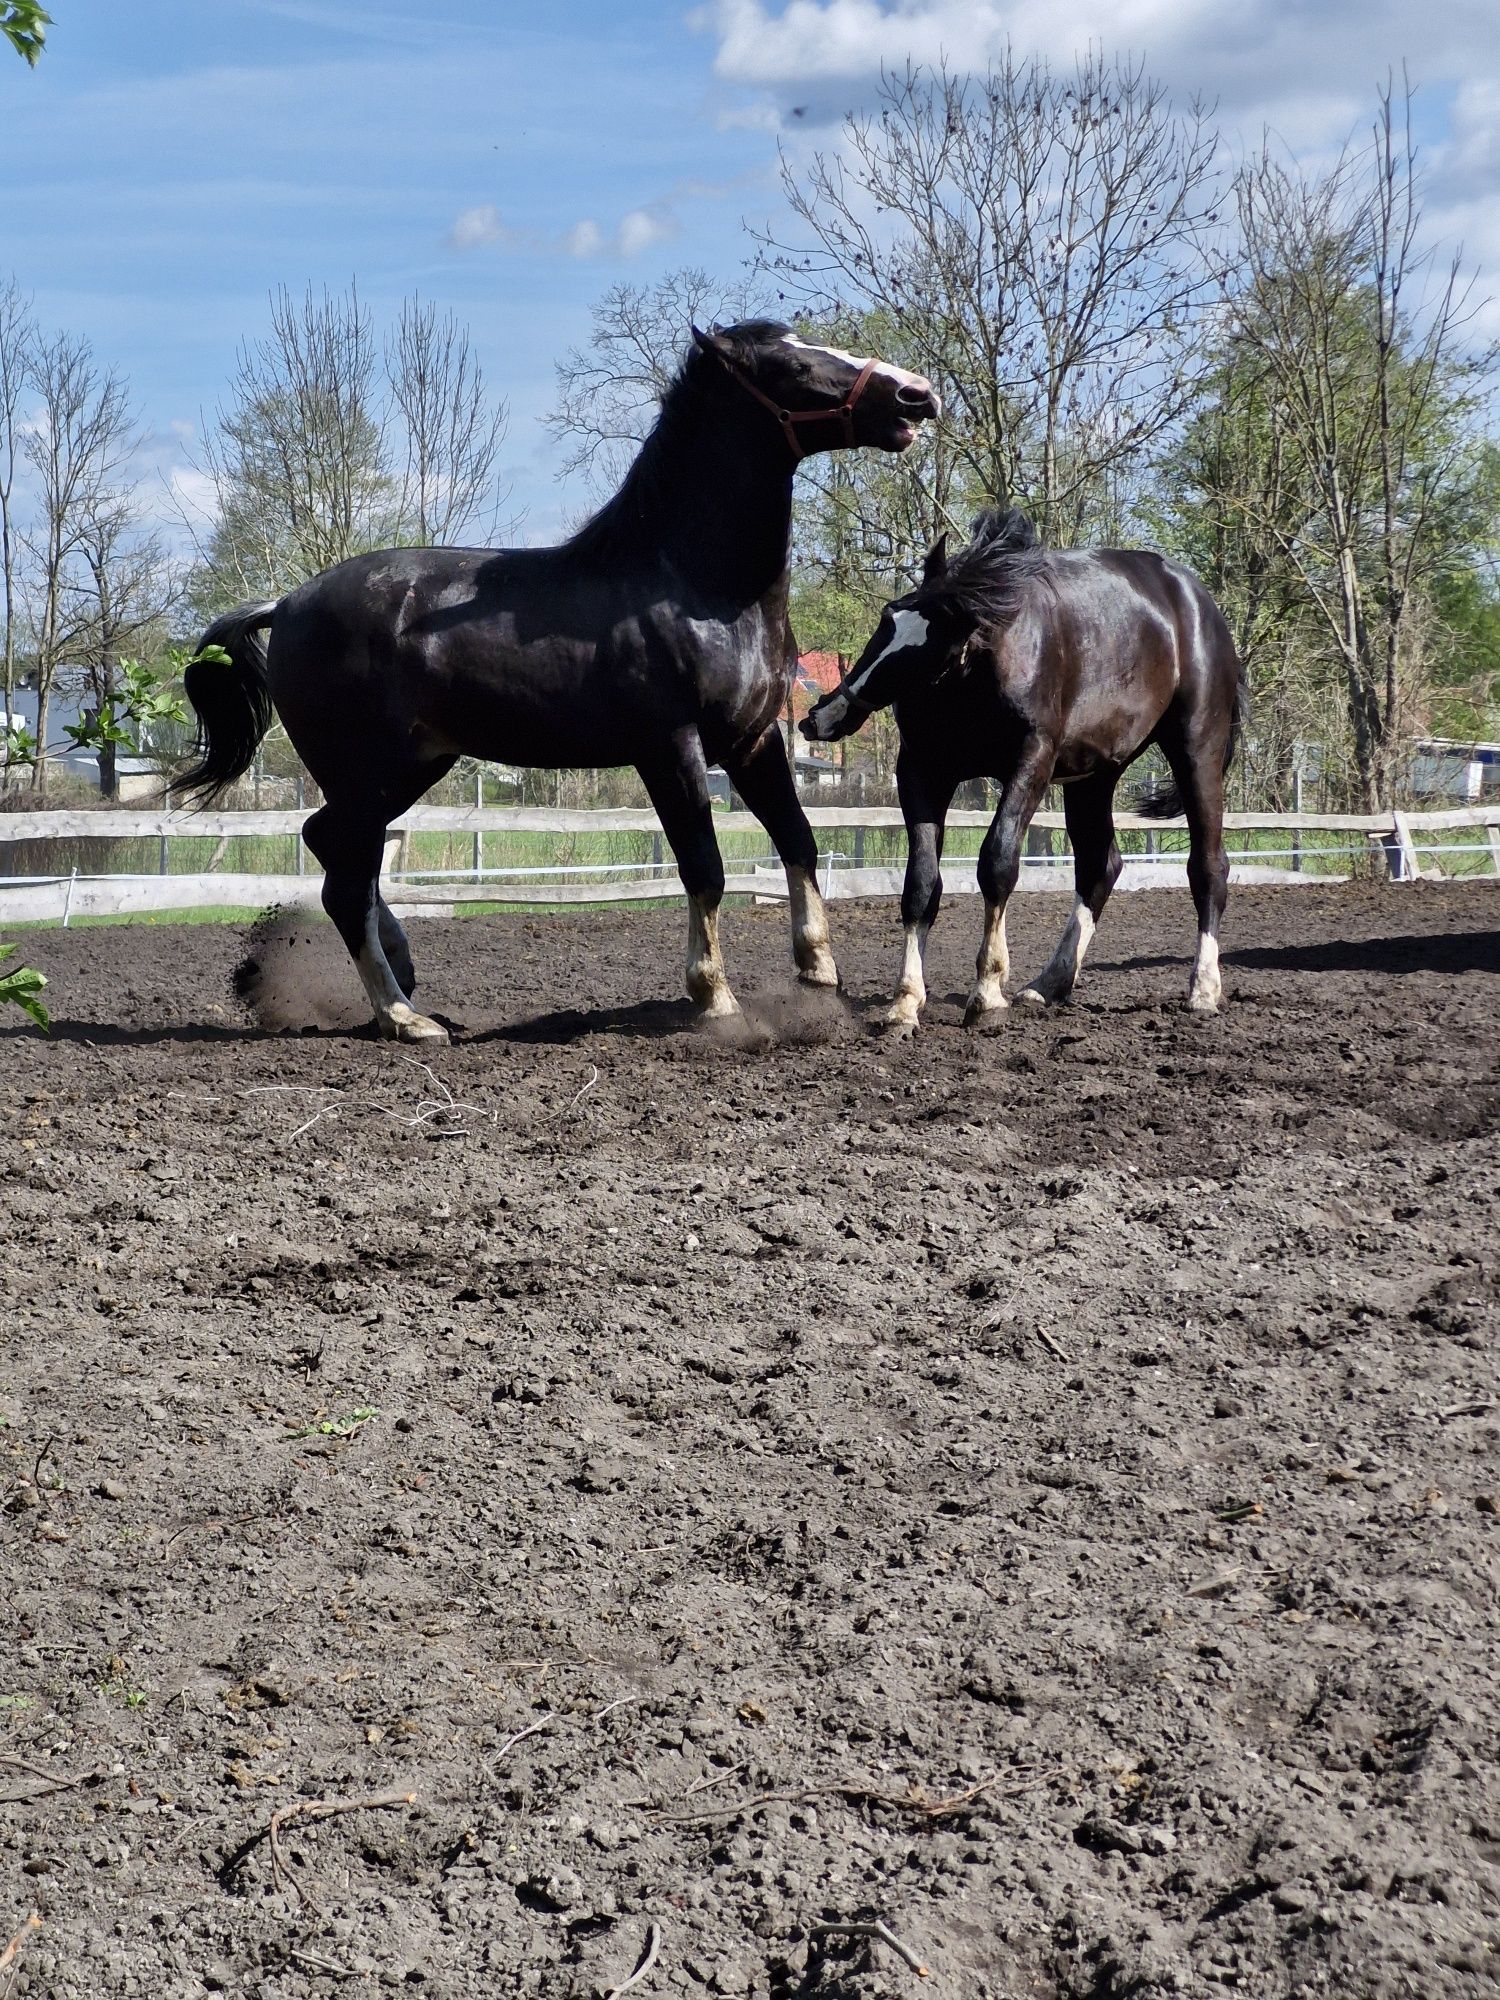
pixel 629 519
pixel 991 576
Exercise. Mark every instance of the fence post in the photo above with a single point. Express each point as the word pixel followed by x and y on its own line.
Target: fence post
pixel 1297 807
pixel 859 847
pixel 656 850
pixel 301 850
pixel 1493 831
pixel 478 834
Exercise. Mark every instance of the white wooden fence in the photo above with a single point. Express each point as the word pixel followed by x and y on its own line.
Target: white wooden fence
pixel 1405 839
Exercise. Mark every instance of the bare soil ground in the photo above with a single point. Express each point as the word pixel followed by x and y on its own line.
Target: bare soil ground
pixel 1037 1490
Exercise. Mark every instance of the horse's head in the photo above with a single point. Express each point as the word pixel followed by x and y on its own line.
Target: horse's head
pixel 822 397
pixel 919 637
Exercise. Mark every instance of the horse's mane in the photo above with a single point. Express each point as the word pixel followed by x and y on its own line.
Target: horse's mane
pixel 628 521
pixel 990 577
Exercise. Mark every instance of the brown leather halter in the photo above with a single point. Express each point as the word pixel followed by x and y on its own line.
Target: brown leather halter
pixel 789 419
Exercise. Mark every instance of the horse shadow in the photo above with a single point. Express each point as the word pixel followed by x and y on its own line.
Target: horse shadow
pixel 1441 952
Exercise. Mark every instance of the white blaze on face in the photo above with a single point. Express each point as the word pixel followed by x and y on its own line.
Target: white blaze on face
pixel 910 630
pixel 901 377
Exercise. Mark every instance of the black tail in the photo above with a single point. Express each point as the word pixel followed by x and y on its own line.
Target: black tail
pixel 232 698
pixel 1169 803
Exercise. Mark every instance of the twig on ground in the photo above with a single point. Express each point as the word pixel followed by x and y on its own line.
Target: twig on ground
pixel 580 1094
pixel 13 1950
pixel 443 1107
pixel 49 1784
pixel 609 1707
pixel 1053 1347
pixel 878 1930
pixel 315 1962
pixel 643 1964
pixel 719 1778
pixel 910 1801
pixel 532 1729
pixel 1480 1407
pixel 41 1460
pixel 285 1876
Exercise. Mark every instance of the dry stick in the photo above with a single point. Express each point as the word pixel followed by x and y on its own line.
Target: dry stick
pixel 872 1930
pixel 320 1809
pixel 648 1959
pixel 50 1784
pixel 912 1802
pixel 593 1079
pixel 1053 1346
pixel 13 1950
pixel 520 1736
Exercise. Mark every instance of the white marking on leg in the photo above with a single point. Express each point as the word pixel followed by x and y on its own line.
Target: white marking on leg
pixel 706 984
pixel 1205 988
pixel 911 988
pixel 991 968
pixel 810 930
pixel 395 1016
pixel 1058 978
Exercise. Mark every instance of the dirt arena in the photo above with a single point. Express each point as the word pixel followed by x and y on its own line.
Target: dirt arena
pixel 1037 1491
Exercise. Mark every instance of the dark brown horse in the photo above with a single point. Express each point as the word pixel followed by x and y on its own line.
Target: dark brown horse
pixel 1035 667
pixel 657 636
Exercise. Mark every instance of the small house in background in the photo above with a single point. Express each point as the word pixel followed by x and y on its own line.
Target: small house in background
pixel 1445 769
pixel 817 674
pixel 138 778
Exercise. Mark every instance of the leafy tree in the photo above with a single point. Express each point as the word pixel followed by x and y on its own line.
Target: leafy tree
pixel 24 25
pixel 20 987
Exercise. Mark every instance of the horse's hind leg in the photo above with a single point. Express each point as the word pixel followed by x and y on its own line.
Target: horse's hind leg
pixel 764 781
pixel 1000 870
pixel 1199 772
pixel 349 840
pixel 678 786
pixel 1088 808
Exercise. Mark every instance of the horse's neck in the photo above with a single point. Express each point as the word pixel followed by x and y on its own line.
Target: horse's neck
pixel 728 519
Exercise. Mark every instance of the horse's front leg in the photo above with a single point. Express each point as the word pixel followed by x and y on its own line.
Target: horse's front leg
pixel 677 783
pixel 999 870
pixel 924 806
pixel 764 781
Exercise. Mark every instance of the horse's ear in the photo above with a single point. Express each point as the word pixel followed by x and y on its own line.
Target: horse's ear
pixel 935 568
pixel 711 342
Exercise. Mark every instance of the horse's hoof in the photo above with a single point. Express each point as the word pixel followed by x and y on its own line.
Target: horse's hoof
pixel 978 1013
pixel 823 973
pixel 1205 1005
pixel 720 1005
pixel 1030 996
pixel 414 1027
pixel 899 1027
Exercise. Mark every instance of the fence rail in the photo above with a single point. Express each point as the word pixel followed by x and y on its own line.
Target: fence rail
pixel 1403 838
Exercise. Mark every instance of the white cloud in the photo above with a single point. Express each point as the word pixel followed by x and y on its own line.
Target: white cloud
pixel 584 239
pixel 475 227
pixel 640 230
pixel 1309 70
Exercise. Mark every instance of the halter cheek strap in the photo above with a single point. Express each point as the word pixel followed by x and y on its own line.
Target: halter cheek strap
pixel 789 419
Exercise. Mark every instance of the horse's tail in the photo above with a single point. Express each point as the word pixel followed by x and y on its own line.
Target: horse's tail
pixel 226 683
pixel 1169 803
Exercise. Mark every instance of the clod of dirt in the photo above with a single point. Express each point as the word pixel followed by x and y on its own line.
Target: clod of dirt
pixel 296 976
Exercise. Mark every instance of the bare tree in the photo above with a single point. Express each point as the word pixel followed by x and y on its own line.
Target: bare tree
pixel 122 592
pixel 79 449
pixel 607 392
pixel 1039 244
pixel 297 456
pixel 17 335
pixel 1359 334
pixel 449 486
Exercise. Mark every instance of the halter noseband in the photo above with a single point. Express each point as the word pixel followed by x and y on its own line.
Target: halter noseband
pixel 789 419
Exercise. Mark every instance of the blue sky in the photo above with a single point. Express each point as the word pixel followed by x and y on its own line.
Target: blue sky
pixel 170 161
